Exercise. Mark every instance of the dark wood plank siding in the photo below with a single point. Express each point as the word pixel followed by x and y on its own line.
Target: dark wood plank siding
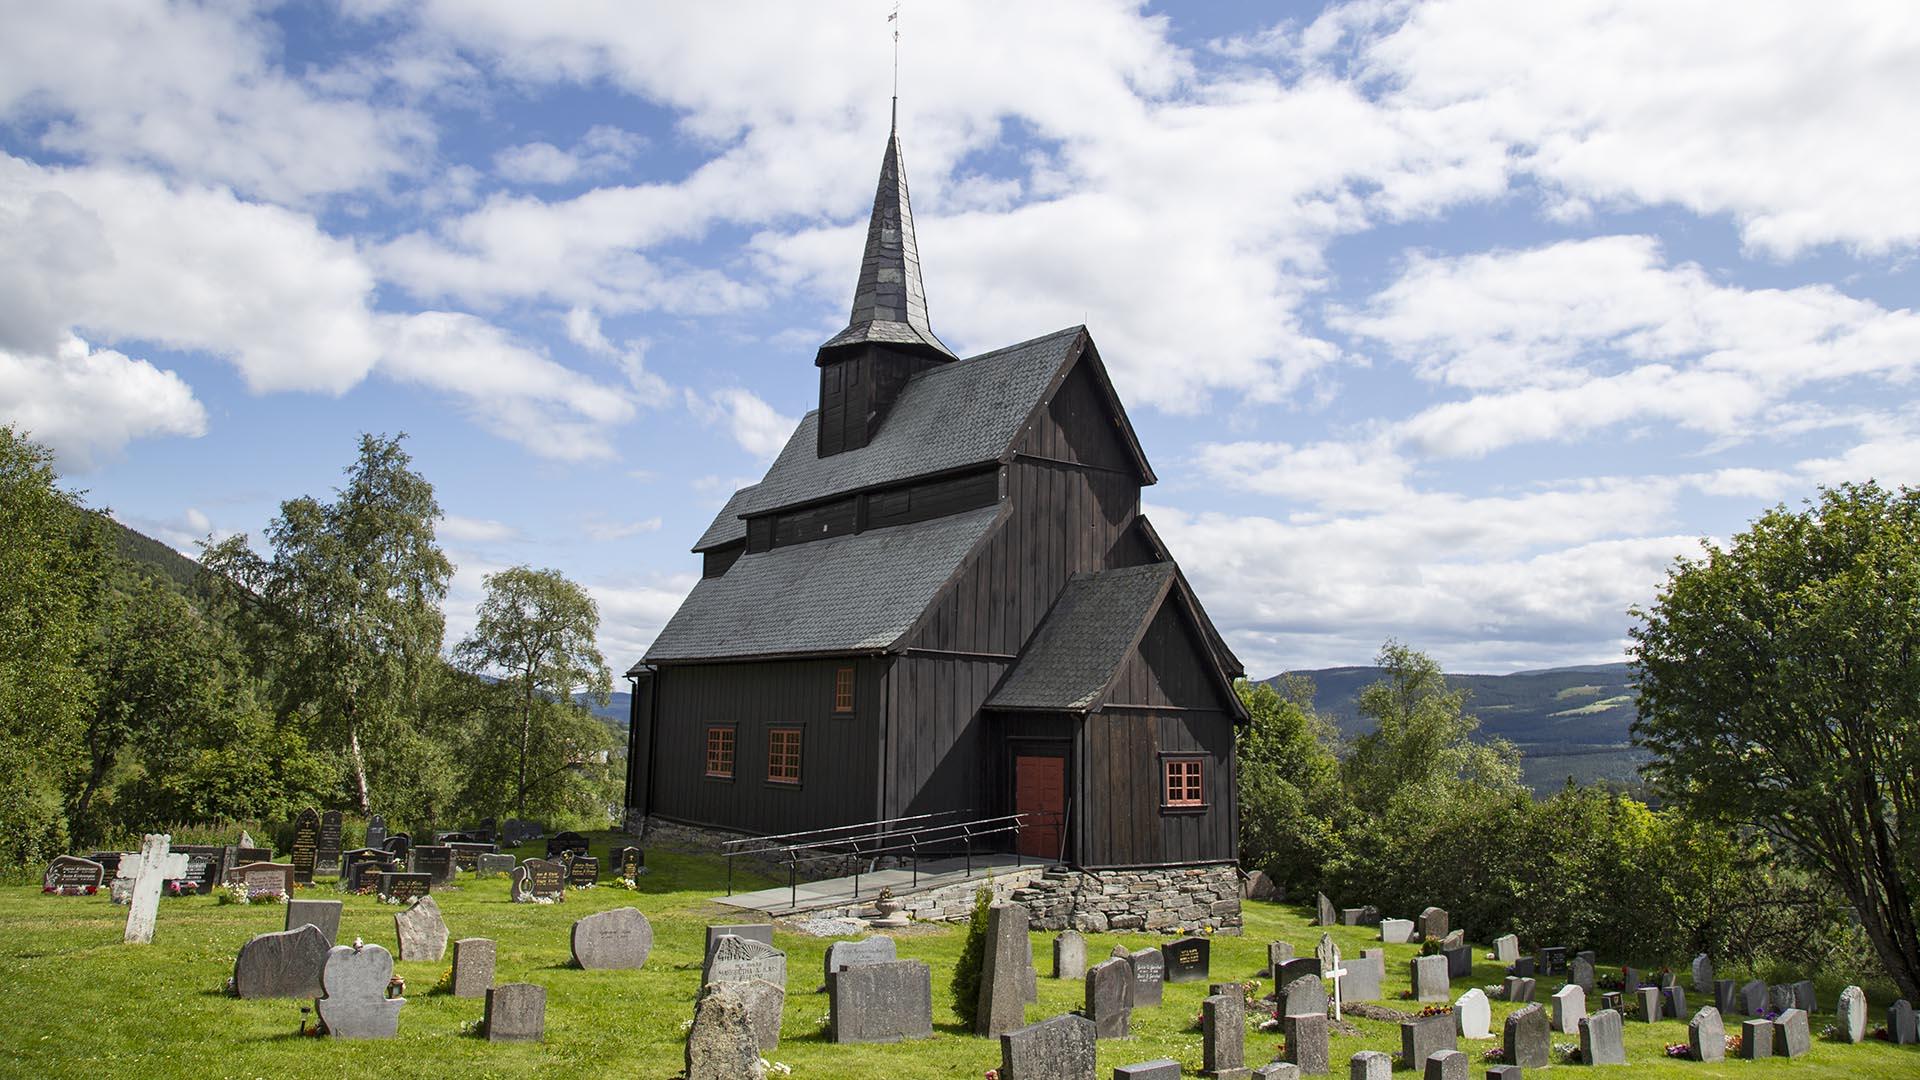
pixel 719 560
pixel 938 741
pixel 1170 667
pixel 839 766
pixel 836 518
pixel 1125 823
pixel 930 499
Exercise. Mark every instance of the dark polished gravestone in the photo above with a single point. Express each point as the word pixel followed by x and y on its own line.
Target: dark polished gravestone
pixel 516 1012
pixel 281 965
pixel 326 855
pixel 1603 1039
pixel 1295 968
pixel 1552 960
pixel 108 859
pixel 1058 1049
pixel 466 855
pixel 492 865
pixel 376 831
pixel 1527 1037
pixel 566 841
pixel 435 861
pixel 205 867
pixel 404 887
pixel 538 879
pixel 70 875
pixel 883 1002
pixel 1459 961
pixel 583 871
pixel 1187 959
pixel 617 940
pixel 628 862
pixel 1109 1001
pixel 359 867
pixel 306 844
pixel 400 844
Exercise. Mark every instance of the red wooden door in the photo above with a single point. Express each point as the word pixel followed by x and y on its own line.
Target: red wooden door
pixel 1040 793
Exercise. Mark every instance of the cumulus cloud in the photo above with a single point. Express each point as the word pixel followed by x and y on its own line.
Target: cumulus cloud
pixel 457 529
pixel 89 403
pixel 755 425
pixel 602 151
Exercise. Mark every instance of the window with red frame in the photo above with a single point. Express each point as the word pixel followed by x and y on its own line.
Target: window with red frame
pixel 720 752
pixel 783 755
pixel 1183 786
pixel 843 690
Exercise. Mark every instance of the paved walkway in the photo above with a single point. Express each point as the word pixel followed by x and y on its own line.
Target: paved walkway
pixel 839 892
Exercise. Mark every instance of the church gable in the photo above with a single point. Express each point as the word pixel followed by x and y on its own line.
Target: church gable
pixel 1171 667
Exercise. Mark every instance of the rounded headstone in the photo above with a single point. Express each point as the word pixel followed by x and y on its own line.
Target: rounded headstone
pixel 356 1005
pixel 1852 1014
pixel 283 965
pixel 1707 1036
pixel 613 940
pixel 1473 1016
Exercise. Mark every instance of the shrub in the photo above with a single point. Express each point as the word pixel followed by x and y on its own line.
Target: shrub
pixel 973 957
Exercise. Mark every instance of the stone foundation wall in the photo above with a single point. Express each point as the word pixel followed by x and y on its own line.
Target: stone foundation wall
pixel 1098 901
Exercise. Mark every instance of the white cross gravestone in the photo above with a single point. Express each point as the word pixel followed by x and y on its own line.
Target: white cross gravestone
pixel 1336 973
pixel 153 865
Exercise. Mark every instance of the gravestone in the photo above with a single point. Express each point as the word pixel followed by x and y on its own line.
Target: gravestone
pixel 878 949
pixel 1157 1069
pixel 155 863
pixel 1149 976
pixel 1673 1001
pixel 435 861
pixel 738 959
pixel 722 1044
pixel 1505 1072
pixel 1030 977
pixel 1223 1036
pixel 401 845
pixel 1753 997
pixel 1569 1008
pixel 1003 996
pixel 263 879
pixel 1551 960
pixel 1528 1038
pixel 539 879
pixel 1278 952
pixel 467 856
pixel 1370 1065
pixel 566 841
pixel 1506 948
pixel 628 862
pixel 70 875
pixel 376 831
pixel 1307 1042
pixel 1707 1036
pixel 1520 990
pixel 306 844
pixel 421 930
pixel 326 855
pixel 1257 886
pixel 472 967
pixel 1109 1001
pixel 403 887
pixel 204 865
pixel 1325 915
pixel 1447 1065
pixel 1629 982
pixel 1702 974
pixel 1396 931
pixel 360 868
pixel 617 940
pixel 760 932
pixel 1580 973
pixel 1069 955
pixel 355 1004
pixel 1803 996
pixel 1851 1014
pixel 1430 981
pixel 1324 951
pixel 582 871
pixel 1523 967
pixel 1725 996
pixel 765 1003
pixel 282 965
pixel 1649 1004
pixel 1473 1016
pixel 1792 1034
pixel 323 914
pixel 1056 1049
pixel 1352 916
pixel 1277 1070
pixel 516 1012
pixel 1296 968
pixel 1364 976
pixel 1459 961
pixel 1433 925
pixel 881 1002
pixel 1780 997
pixel 1187 959
pixel 1613 999
pixel 108 859
pixel 1901 1028
pixel 1603 1039
pixel 1756 1039
pixel 487 866
pixel 1306 994
pixel 1423 1036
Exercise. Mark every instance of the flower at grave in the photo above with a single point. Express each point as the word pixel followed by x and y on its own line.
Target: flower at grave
pixel 1830 1031
pixel 233 893
pixel 776 1068
pixel 1733 1045
pixel 1679 1050
pixel 687 1024
pixel 444 982
pixel 50 889
pixel 1406 995
pixel 1494 1055
pixel 993 1074
pixel 1881 1034
pixel 1567 1052
pixel 92 889
pixel 359 944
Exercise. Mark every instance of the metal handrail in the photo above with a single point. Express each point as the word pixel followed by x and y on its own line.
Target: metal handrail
pixel 821 845
pixel 822 833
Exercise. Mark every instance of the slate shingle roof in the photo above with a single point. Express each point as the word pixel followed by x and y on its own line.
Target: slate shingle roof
pixel 853 593
pixel 728 526
pixel 1077 649
pixel 889 301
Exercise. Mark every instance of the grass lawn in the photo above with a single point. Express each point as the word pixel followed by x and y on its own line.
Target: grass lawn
pixel 74 1001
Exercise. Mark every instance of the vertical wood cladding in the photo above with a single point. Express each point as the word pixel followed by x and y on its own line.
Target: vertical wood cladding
pixel 1125 825
pixel 719 560
pixel 839 765
pixel 1170 667
pixel 857 388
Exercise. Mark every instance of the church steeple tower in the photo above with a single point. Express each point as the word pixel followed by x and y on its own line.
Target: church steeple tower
pixel 888 336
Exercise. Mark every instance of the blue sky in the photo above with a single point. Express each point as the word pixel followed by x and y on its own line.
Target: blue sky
pixel 1452 322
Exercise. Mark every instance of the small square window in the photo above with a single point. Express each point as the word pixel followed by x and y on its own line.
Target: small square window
pixel 720 752
pixel 1183 785
pixel 843 690
pixel 783 755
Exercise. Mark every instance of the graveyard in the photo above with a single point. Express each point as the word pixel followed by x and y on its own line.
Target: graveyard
pixel 96 1004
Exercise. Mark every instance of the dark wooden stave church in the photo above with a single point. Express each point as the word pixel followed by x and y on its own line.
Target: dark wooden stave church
pixel 943 597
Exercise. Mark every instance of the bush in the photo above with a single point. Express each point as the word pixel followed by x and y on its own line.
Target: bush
pixel 973 959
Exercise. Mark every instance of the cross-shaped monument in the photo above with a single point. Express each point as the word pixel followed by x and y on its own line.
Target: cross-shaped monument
pixel 154 865
pixel 1336 973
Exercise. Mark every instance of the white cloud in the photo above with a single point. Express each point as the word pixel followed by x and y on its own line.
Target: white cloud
pixel 583 329
pixel 603 151
pixel 604 531
pixel 89 403
pixel 754 424
pixel 457 529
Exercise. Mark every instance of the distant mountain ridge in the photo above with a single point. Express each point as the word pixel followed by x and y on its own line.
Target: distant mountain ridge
pixel 1569 721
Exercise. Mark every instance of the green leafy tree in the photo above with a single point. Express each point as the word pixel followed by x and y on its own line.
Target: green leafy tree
pixel 1288 783
pixel 1780 689
pixel 536 633
pixel 1421 744
pixel 344 615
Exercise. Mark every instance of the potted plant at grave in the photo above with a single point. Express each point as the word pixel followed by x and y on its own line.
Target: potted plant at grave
pixel 884 903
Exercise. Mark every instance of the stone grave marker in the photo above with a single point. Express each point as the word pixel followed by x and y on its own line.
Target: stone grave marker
pixel 264 879
pixel 1433 925
pixel 1702 974
pixel 1756 1039
pixel 760 932
pixel 1603 1040
pixel 1447 1065
pixel 1324 951
pixel 885 1002
pixel 1851 1014
pixel 1629 982
pixel 566 841
pixel 1109 1001
pixel 1707 1036
pixel 108 859
pixel 1056 1049
pixel 1277 1070
pixel 1396 931
pixel 376 831
pixel 1803 996
pixel 1295 968
pixel 204 867
pixel 1278 952
pixel 1569 1008
pixel 1430 981
pixel 1187 959
pixel 1520 990
pixel 1649 1004
pixel 1424 1036
pixel 1324 911
pixel 306 844
pixel 1459 961
pixel 1523 967
pixel 1506 948
pixel 1030 976
pixel 1149 976
pixel 537 879
pixel 1352 916
pixel 1003 995
pixel 404 887
pixel 322 914
pixel 326 853
pixel 1454 939
pixel 1580 973
pixel 467 856
pixel 516 1012
pixel 1673 1001
pixel 1613 999
pixel 1901 1028
pixel 435 861
pixel 1307 1042
pixel 1069 955
pixel 1528 1038
pixel 401 845
pixel 1505 1072
pixel 1257 886
pixel 1223 1036
pixel 1306 994
pixel 1551 960
pixel 155 863
pixel 282 965
pixel 70 875
pixel 617 940
pixel 628 862
pixel 878 949
pixel 722 1044
pixel 1364 976
pixel 1780 997
pixel 355 1004
pixel 421 930
pixel 489 865
pixel 582 871
pixel 1753 997
pixel 1472 1015
pixel 738 959
pixel 764 1001
pixel 361 867
pixel 472 967
pixel 1157 1069
pixel 1369 1065
pixel 1792 1034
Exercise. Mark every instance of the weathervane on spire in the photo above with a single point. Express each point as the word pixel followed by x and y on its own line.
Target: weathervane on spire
pixel 894 18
